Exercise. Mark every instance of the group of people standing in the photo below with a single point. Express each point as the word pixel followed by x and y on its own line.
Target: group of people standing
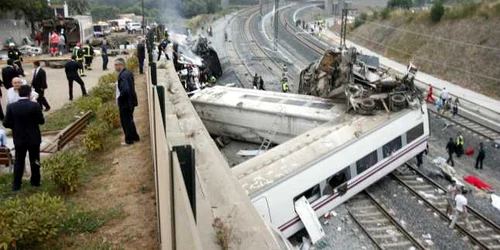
pixel 457 147
pixel 445 101
pixel 258 82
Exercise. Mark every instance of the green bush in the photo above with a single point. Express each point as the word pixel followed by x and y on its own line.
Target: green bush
pixel 94 136
pixel 91 103
pixel 463 10
pixel 132 63
pixel 105 91
pixel 32 220
pixel 108 113
pixel 437 12
pixel 108 78
pixel 404 4
pixel 385 13
pixel 5 233
pixel 360 20
pixel 64 169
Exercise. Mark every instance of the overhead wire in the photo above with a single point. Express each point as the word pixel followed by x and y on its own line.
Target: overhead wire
pixel 427 60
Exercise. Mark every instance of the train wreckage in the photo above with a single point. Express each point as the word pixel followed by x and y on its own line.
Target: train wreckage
pixel 348 74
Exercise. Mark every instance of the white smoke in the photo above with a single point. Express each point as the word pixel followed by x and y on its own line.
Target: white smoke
pixel 185 48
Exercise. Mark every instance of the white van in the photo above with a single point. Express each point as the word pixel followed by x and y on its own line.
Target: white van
pixel 134 27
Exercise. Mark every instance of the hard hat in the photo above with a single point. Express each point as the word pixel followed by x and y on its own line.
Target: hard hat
pixel 11 45
pixel 166 29
pixel 147 27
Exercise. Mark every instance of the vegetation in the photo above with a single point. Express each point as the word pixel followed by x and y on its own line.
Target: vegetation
pixel 360 20
pixel 64 169
pixel 385 13
pixel 31 220
pixel 90 103
pixel 437 12
pixel 33 10
pixel 108 114
pixel 60 118
pixel 403 4
pixel 223 232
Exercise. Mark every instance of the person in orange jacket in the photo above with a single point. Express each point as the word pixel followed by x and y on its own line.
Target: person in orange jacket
pixel 54 42
pixel 429 98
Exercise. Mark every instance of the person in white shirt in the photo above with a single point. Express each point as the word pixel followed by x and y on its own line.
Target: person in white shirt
pixel 444 96
pixel 13 94
pixel 3 138
pixel 460 210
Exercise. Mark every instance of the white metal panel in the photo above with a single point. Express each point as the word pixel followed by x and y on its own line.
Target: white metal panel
pixel 263 208
pixel 309 219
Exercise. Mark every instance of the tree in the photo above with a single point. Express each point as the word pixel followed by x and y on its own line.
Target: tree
pixel 33 10
pixel 437 12
pixel 78 7
pixel 102 13
pixel 404 4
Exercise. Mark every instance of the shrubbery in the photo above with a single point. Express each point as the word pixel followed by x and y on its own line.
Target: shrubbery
pixel 64 169
pixel 108 78
pixel 108 114
pixel 385 13
pixel 132 63
pixel 91 103
pixel 437 12
pixel 29 221
pixel 94 137
pixel 105 91
pixel 360 20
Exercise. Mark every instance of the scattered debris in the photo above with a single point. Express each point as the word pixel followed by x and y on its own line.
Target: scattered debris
pixel 495 201
pixel 427 196
pixel 248 152
pixel 333 213
pixel 339 229
pixel 326 222
pixel 420 179
pixel 429 242
pixel 115 161
pixel 420 202
pixel 427 236
pixel 390 232
pixel 306 244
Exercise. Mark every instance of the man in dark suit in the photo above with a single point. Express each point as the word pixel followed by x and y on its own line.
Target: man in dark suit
pixel 127 101
pixel 71 68
pixel 39 83
pixel 141 54
pixel 9 72
pixel 24 118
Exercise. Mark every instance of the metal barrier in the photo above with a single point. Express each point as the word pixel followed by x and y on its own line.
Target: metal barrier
pixel 176 223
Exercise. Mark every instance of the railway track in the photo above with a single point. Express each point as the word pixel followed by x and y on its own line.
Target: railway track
pixel 379 225
pixel 483 233
pixel 473 126
pixel 295 31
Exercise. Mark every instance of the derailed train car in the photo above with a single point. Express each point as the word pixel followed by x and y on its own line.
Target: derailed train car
pixel 74 29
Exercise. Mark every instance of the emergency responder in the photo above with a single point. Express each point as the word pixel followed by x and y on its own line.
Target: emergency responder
pixel 255 81
pixel 54 43
pixel 212 81
pixel 162 49
pixel 459 145
pixel 78 52
pixel 261 83
pixel 16 57
pixel 284 85
pixel 88 54
pixel 285 69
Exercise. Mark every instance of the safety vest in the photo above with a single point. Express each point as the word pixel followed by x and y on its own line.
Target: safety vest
pixel 78 53
pixel 86 50
pixel 460 141
pixel 284 86
pixel 213 79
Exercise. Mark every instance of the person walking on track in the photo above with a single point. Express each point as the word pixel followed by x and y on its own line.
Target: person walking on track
pixel 450 148
pixel 480 156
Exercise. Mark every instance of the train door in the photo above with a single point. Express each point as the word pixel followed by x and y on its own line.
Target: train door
pixel 262 207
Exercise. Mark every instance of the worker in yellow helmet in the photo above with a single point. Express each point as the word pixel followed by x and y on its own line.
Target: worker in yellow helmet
pixel 284 85
pixel 459 144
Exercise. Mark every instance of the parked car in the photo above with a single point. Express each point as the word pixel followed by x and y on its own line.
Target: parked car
pixel 134 27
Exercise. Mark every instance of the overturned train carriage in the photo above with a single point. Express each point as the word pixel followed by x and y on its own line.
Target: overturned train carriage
pixel 357 78
pixel 210 58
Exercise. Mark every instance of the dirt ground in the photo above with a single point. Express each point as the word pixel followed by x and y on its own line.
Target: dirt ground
pixel 128 184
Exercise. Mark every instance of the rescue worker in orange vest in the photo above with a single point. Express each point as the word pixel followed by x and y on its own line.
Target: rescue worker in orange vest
pixel 54 42
pixel 78 52
pixel 88 54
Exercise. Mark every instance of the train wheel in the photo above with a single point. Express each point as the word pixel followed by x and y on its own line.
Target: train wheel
pixel 398 102
pixel 367 104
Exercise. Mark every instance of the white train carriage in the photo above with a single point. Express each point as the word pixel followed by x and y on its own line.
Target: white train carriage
pixel 331 163
pixel 248 114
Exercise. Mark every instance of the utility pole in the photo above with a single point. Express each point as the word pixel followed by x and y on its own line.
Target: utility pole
pixel 343 27
pixel 143 23
pixel 276 7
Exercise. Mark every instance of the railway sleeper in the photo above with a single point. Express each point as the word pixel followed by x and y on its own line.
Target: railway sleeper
pixel 394 236
pixel 374 221
pixel 396 244
pixel 376 229
pixel 481 230
pixel 370 214
pixel 493 246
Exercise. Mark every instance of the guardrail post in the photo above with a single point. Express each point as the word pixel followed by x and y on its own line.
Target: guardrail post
pixel 161 99
pixel 154 77
pixel 185 154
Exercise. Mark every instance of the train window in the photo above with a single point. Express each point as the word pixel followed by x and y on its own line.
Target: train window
pixel 392 146
pixel 366 162
pixel 312 194
pixel 414 133
pixel 334 182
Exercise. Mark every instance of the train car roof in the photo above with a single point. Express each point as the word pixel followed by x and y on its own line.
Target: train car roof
pixel 299 153
pixel 272 102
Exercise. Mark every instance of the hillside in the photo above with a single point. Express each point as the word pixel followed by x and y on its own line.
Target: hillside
pixel 464 47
